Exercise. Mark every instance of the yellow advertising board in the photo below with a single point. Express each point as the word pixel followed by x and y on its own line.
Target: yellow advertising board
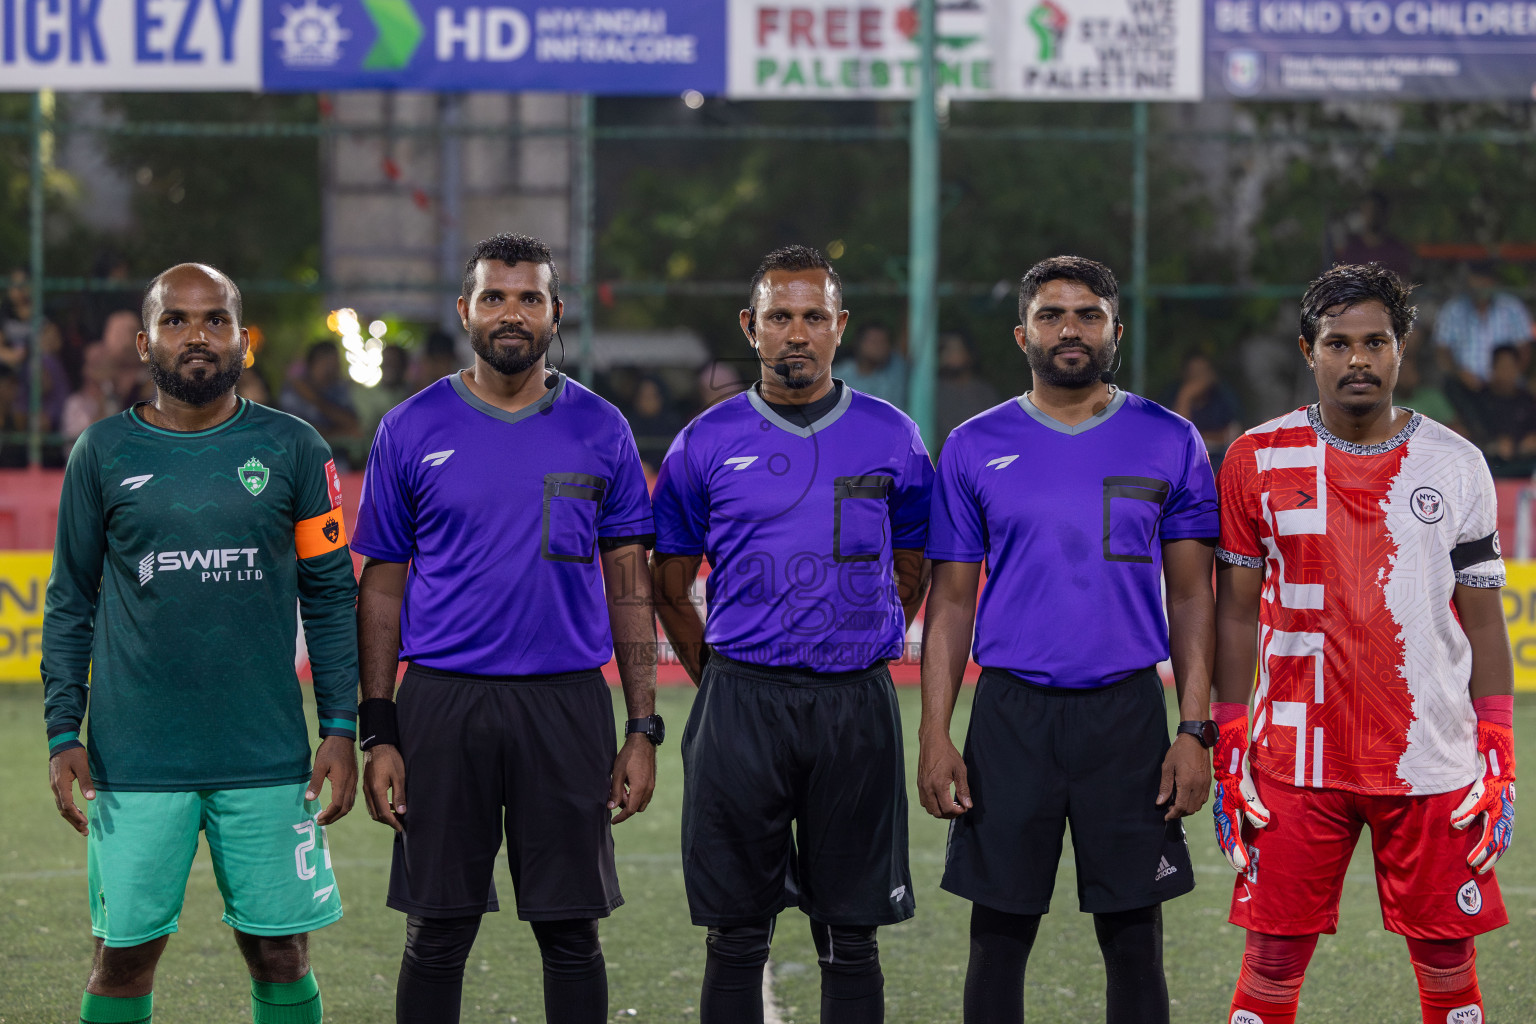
pixel 23 578
pixel 1520 615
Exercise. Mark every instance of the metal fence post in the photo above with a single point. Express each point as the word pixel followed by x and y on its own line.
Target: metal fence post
pixel 35 355
pixel 923 260
pixel 1139 341
pixel 582 237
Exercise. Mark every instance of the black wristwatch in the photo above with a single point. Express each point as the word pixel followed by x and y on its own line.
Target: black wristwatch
pixel 652 728
pixel 1206 732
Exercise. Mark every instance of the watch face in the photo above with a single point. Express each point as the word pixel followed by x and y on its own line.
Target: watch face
pixel 1209 733
pixel 653 728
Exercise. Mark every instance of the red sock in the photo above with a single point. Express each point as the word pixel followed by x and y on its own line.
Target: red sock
pixel 1269 985
pixel 1447 973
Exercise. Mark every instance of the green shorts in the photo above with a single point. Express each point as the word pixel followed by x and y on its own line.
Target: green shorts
pixel 271 860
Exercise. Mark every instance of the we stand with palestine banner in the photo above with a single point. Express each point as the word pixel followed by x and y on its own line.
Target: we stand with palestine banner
pixel 800 49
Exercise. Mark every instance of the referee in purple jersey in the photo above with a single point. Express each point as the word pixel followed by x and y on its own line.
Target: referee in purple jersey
pixel 504 523
pixel 1082 501
pixel 811 502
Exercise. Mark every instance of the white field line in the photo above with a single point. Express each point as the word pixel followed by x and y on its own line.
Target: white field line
pixel 770 1004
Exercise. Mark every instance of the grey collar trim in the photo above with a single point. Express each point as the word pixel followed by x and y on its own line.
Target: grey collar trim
pixel 480 405
pixel 799 430
pixel 1115 402
pixel 1332 440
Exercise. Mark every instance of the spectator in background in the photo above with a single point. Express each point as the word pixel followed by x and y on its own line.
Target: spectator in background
pixel 318 395
pixel 1474 323
pixel 1370 239
pixel 130 376
pixel 16 321
pixel 392 389
pixel 13 421
pixel 55 379
pixel 94 401
pixel 1505 426
pixel 654 421
pixel 876 368
pixel 116 292
pixel 1210 405
pixel 959 393
pixel 439 358
pixel 719 380
pixel 1414 393
pixel 252 387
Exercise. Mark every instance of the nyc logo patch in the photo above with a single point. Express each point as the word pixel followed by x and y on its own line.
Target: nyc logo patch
pixel 1428 505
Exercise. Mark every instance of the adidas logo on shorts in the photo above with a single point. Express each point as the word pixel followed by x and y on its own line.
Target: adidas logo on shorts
pixel 1164 869
pixel 1246 1017
pixel 1465 1015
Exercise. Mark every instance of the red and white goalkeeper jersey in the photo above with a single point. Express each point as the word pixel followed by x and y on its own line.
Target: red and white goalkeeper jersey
pixel 1363 666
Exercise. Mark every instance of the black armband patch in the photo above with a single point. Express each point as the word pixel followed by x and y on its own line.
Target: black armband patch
pixel 376 723
pixel 1475 552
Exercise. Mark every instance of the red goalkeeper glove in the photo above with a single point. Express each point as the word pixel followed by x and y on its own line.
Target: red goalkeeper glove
pixel 1492 796
pixel 1236 798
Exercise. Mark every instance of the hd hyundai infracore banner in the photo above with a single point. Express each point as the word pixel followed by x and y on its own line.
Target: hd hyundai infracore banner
pixel 783 49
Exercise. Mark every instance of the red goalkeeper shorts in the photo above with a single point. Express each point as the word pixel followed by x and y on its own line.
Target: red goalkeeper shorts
pixel 1299 862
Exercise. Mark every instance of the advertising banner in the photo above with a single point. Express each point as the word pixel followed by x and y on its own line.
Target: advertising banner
pixel 1103 50
pixel 665 46
pixel 1385 49
pixel 23 580
pixel 857 49
pixel 987 49
pixel 130 45
pixel 1520 615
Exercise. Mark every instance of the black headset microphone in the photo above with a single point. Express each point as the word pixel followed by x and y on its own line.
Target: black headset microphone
pixel 552 380
pixel 1108 376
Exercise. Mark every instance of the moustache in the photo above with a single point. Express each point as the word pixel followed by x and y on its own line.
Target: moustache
pixel 1360 378
pixel 1070 346
pixel 512 332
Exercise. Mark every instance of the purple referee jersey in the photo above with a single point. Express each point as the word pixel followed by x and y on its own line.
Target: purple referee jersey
pixel 1070 522
pixel 500 515
pixel 799 524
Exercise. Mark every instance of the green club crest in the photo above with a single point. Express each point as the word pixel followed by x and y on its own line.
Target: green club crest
pixel 254 476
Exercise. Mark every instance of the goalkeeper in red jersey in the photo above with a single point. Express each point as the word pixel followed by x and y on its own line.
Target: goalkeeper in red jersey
pixel 1358 577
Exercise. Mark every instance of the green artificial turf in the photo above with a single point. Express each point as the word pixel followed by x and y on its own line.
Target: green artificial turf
pixel 655 957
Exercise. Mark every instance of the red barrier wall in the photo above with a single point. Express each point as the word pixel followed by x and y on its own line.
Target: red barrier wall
pixel 29 502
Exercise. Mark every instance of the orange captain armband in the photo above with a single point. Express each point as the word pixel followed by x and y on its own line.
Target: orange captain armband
pixel 320 534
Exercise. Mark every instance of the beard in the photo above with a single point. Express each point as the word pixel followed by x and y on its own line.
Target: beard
pixel 1043 364
pixel 510 361
pixel 203 386
pixel 1361 404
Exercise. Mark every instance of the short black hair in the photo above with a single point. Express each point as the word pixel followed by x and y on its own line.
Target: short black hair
pixel 792 258
pixel 511 248
pixel 1349 284
pixel 1503 350
pixel 1091 274
pixel 872 325
pixel 146 307
pixel 319 348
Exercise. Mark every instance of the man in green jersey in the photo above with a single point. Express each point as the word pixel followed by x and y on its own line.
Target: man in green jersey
pixel 189 528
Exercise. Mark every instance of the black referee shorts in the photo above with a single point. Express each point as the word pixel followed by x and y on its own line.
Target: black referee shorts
pixel 1040 758
pixel 768 747
pixel 532 756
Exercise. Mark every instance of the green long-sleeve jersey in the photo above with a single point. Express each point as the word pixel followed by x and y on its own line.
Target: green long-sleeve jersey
pixel 182 564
